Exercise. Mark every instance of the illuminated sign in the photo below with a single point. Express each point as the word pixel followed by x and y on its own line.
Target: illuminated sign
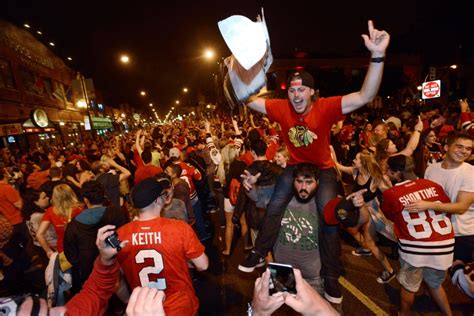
pixel 39 118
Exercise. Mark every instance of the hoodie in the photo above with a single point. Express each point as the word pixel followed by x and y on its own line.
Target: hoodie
pixel 80 237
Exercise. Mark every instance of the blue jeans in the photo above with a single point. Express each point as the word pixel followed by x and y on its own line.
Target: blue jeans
pixel 200 224
pixel 329 241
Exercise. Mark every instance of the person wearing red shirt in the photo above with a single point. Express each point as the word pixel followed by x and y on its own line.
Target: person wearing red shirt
pixel 147 170
pixel 65 206
pixel 159 249
pixel 306 122
pixel 425 236
pixel 10 200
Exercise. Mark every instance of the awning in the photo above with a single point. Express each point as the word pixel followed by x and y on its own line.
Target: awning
pixel 101 122
pixel 29 127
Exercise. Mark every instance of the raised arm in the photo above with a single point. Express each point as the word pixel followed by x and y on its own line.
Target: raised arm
pixel 257 104
pixel 414 139
pixel 376 42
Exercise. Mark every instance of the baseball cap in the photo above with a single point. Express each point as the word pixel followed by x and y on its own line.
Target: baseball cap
pixel 341 210
pixel 146 192
pixel 301 78
pixel 174 152
pixel 404 164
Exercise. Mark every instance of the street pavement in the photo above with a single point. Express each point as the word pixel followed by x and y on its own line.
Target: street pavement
pixel 224 290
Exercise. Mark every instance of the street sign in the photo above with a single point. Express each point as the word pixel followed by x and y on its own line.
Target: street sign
pixel 431 89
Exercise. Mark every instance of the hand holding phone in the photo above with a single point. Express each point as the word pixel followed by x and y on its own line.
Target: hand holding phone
pixel 308 301
pixel 282 278
pixel 262 302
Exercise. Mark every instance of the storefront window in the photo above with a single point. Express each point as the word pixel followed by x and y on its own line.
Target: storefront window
pixel 6 75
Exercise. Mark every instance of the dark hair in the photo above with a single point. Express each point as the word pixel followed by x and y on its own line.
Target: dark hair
pixel 94 191
pixel 45 165
pixel 306 170
pixel 84 164
pixel 55 172
pixel 259 147
pixel 29 207
pixel 253 135
pixel 454 136
pixel 69 170
pixel 170 161
pixel 176 169
pixel 146 156
pixel 2 174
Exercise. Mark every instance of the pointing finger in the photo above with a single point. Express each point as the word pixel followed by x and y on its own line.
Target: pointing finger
pixel 371 30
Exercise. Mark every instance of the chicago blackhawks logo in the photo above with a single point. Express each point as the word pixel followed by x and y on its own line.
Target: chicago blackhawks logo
pixel 301 136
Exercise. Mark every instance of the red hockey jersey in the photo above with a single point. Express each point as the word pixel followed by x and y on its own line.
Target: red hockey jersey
pixel 426 239
pixel 157 255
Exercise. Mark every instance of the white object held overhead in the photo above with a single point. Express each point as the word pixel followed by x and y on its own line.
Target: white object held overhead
pixel 247 40
pixel 250 60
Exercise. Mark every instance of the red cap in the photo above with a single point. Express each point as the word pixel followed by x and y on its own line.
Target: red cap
pixel 329 211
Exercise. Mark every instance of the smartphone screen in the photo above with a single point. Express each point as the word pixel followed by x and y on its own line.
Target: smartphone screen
pixel 282 278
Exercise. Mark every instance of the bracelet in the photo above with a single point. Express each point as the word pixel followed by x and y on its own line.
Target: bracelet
pixel 377 59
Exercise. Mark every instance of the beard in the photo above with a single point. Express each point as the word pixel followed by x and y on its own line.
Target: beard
pixel 306 199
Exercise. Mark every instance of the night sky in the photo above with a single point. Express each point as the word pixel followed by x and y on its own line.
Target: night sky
pixel 166 39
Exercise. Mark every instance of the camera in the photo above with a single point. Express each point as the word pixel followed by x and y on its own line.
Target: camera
pixel 113 241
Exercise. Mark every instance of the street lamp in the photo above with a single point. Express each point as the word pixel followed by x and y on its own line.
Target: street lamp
pixel 185 90
pixel 142 93
pixel 177 102
pixel 81 104
pixel 209 54
pixel 150 104
pixel 124 59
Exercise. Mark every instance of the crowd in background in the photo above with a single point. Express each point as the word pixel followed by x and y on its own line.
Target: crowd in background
pixel 53 200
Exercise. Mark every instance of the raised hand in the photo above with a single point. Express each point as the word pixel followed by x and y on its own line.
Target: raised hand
pixel 106 252
pixel 357 197
pixel 377 41
pixel 248 180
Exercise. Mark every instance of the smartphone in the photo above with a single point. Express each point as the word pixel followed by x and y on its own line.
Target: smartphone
pixel 113 241
pixel 282 278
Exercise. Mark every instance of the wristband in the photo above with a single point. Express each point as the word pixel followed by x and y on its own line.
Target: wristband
pixel 377 59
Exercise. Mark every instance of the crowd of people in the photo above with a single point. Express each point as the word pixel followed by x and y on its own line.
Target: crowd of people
pixel 133 209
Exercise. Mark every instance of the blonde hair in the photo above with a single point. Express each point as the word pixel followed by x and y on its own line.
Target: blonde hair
pixel 228 153
pixel 283 150
pixel 371 167
pixel 64 200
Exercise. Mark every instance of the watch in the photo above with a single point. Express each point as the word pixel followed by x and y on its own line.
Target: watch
pixel 377 59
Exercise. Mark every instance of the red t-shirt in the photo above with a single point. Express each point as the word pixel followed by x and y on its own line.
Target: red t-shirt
pixel 8 196
pixel 157 256
pixel 307 136
pixel 59 223
pixel 146 171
